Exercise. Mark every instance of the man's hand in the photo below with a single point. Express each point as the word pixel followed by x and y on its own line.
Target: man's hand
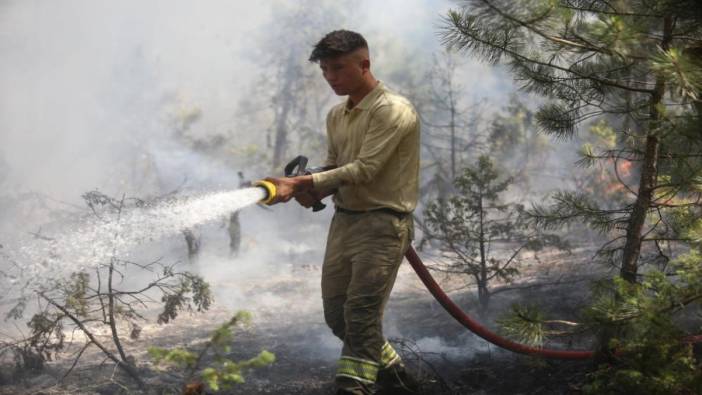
pixel 307 199
pixel 288 187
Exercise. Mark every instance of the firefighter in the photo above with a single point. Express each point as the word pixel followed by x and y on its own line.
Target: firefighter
pixel 373 154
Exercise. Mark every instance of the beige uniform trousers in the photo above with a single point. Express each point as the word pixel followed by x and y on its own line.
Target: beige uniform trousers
pixel 363 255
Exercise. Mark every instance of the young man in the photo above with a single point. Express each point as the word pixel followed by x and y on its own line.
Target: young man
pixel 373 154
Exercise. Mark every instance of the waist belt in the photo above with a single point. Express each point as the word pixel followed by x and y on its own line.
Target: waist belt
pixel 386 210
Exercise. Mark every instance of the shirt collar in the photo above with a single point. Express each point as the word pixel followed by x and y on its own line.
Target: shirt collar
pixel 369 98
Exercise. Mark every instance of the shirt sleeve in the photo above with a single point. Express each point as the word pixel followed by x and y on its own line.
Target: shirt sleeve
pixel 389 124
pixel 331 150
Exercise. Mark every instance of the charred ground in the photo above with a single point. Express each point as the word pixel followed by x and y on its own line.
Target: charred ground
pixel 445 356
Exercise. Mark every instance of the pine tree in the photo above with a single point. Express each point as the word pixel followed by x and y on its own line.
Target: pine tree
pixel 448 121
pixel 474 227
pixel 633 69
pixel 636 63
pixel 450 125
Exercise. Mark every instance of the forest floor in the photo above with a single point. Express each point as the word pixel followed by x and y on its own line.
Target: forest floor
pixel 288 322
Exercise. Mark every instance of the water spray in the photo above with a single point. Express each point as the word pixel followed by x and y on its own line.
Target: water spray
pixel 94 240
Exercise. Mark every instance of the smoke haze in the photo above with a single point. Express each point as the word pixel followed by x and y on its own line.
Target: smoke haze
pixel 123 97
pixel 90 90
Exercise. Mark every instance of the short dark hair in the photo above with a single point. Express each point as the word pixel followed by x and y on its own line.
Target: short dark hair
pixel 336 43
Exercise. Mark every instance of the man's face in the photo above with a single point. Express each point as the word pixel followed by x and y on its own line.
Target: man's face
pixel 343 73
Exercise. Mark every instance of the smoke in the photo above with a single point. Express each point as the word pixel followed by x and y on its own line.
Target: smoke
pixel 87 88
pixel 142 98
pixel 460 351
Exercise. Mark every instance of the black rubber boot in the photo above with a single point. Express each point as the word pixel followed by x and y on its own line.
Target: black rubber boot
pixel 395 380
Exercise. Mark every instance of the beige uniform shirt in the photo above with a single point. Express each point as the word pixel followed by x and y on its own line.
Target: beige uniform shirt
pixel 375 146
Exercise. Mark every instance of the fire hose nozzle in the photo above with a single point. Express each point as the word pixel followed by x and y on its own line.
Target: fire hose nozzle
pixel 269 188
pixel 296 167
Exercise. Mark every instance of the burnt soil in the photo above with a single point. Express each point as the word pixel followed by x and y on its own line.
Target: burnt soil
pixel 443 355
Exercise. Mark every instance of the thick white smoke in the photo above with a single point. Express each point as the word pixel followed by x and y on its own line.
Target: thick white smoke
pixel 116 96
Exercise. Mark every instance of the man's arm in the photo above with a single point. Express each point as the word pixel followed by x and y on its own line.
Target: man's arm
pixel 388 126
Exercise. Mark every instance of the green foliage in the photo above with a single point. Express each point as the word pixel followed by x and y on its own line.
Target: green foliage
pixel 230 373
pixel 634 68
pixel 524 324
pixel 584 57
pixel 192 291
pixel 683 72
pixel 571 207
pixel 600 136
pixel 651 356
pixel 473 220
pixel 558 119
pixel 510 130
pixel 614 64
pixel 693 228
pixel 176 356
pixel 217 371
pixel 681 139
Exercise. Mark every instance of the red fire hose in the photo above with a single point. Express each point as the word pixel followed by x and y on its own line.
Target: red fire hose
pixel 475 327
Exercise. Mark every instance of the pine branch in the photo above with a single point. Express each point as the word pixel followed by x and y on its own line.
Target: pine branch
pixel 557 120
pixel 570 207
pixel 529 25
pixel 465 32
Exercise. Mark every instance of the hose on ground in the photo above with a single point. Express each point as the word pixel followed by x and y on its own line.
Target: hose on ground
pixel 482 331
pixel 475 327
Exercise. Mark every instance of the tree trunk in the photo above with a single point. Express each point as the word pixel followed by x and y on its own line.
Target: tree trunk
pixel 483 295
pixel 284 102
pixel 234 231
pixel 193 243
pixel 111 314
pixel 453 137
pixel 649 173
pixel 632 247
